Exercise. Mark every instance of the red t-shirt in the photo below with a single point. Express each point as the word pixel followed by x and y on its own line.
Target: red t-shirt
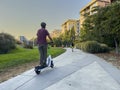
pixel 41 36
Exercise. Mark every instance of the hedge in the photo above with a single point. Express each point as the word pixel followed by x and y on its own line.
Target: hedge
pixel 92 47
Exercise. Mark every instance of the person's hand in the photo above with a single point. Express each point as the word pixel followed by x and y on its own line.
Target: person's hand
pixel 50 42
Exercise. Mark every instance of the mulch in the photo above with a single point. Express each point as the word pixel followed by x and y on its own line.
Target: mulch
pixel 111 57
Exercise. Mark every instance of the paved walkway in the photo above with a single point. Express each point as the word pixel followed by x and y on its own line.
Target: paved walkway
pixel 73 71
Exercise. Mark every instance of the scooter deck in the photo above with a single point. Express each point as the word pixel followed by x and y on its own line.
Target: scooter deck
pixel 40 67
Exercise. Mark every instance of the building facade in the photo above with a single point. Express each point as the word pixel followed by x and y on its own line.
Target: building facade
pixel 69 24
pixel 24 40
pixel 77 27
pixel 89 8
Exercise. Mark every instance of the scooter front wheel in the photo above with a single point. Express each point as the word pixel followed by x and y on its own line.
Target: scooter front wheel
pixel 37 72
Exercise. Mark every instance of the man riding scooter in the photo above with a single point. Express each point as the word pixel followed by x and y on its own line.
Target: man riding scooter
pixel 42 43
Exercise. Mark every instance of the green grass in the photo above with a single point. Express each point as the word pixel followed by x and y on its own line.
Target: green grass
pixel 21 56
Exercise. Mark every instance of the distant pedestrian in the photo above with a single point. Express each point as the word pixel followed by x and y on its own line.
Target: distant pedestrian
pixel 72 46
pixel 42 42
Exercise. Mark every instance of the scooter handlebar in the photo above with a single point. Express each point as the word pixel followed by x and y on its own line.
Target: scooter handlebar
pixel 49 42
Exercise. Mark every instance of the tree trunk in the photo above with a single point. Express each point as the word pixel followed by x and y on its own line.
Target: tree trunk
pixel 116 46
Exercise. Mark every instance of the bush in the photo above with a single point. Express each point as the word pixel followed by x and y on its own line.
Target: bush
pixel 7 42
pixel 93 47
pixel 104 48
pixel 28 46
pixel 79 45
pixel 18 42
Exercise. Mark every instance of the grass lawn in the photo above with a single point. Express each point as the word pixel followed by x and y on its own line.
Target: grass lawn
pixel 21 56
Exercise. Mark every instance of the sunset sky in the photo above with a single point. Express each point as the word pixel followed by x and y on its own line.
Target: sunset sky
pixel 23 17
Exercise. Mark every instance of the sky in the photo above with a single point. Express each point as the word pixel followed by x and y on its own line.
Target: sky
pixel 23 17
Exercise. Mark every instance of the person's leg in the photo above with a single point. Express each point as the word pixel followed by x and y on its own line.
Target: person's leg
pixel 72 48
pixel 41 51
pixel 44 54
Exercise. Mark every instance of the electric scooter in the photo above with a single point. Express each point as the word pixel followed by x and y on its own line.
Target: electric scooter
pixel 49 63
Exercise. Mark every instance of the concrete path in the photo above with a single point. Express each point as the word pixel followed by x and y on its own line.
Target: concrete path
pixel 73 71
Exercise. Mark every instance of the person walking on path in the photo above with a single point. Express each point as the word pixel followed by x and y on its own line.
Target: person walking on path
pixel 72 46
pixel 42 43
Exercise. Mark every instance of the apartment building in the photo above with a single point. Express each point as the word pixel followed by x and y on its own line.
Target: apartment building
pixel 89 7
pixel 69 24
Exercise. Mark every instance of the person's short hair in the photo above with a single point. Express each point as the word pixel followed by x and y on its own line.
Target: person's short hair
pixel 43 24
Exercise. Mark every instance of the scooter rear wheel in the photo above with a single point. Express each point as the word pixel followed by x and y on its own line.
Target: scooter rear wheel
pixel 52 65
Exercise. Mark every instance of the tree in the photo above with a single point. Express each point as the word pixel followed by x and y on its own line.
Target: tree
pixel 113 23
pixel 103 26
pixel 72 34
pixel 87 30
pixel 66 38
pixel 57 41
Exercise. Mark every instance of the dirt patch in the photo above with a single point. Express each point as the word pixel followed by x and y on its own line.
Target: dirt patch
pixel 111 58
pixel 12 72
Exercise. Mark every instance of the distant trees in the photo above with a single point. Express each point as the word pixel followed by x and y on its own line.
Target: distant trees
pixel 57 41
pixel 7 42
pixel 103 26
pixel 65 39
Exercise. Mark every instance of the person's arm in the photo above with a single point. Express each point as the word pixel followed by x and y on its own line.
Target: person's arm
pixel 50 38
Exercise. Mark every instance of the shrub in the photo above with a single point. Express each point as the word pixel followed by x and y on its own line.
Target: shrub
pixel 28 46
pixel 18 42
pixel 104 48
pixel 78 45
pixel 93 47
pixel 7 42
